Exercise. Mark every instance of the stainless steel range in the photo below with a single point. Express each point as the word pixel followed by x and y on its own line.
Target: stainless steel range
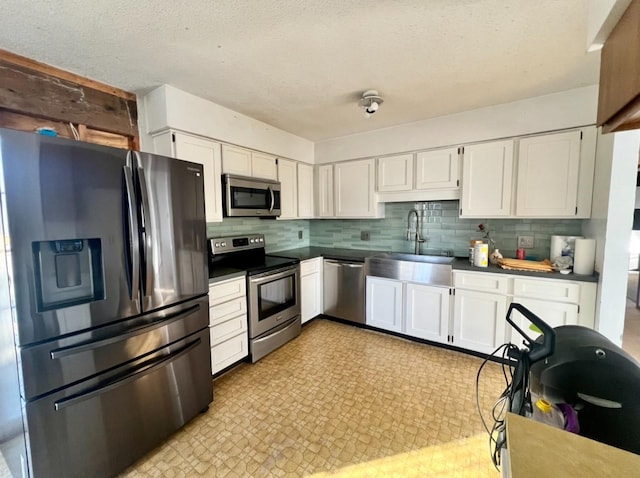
pixel 273 290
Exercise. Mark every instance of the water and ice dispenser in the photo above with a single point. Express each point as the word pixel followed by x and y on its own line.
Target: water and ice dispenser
pixel 68 272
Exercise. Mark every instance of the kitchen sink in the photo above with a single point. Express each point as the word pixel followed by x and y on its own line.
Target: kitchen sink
pixel 423 269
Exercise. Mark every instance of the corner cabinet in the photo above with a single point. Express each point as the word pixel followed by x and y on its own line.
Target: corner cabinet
pixel 487 179
pixel 555 174
pixel 324 191
pixel 197 150
pixel 305 191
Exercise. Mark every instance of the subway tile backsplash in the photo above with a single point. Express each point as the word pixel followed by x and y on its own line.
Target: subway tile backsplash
pixel 278 235
pixel 442 229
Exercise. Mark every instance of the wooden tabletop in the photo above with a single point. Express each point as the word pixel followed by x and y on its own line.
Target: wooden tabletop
pixel 537 450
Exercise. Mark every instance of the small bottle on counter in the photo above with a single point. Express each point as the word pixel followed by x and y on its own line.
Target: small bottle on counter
pixel 472 247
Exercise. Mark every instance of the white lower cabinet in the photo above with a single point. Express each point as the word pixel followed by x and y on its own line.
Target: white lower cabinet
pixel 228 323
pixel 413 309
pixel 479 320
pixel 426 312
pixel 384 303
pixel 311 288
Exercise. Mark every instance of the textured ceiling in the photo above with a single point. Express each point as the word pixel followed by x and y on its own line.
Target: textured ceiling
pixel 301 65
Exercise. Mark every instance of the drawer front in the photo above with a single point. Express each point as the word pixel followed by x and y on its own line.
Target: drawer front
pixel 487 282
pixel 227 329
pixel 310 266
pixel 556 290
pixel 229 352
pixel 227 290
pixel 222 312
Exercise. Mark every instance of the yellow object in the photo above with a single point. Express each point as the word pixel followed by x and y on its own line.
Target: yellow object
pixel 543 405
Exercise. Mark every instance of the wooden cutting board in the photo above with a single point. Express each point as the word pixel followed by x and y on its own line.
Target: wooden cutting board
pixel 524 265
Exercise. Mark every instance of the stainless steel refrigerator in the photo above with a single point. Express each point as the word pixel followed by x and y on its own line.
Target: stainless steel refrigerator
pixel 104 346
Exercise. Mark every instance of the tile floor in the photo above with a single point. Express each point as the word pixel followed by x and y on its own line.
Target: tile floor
pixel 335 397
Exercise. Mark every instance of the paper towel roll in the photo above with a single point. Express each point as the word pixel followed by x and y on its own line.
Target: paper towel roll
pixel 584 256
pixel 562 245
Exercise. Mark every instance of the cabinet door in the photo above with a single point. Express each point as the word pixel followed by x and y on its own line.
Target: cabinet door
pixel 325 191
pixel 438 169
pixel 487 177
pixel 198 150
pixel 236 160
pixel 479 320
pixel 384 303
pixel 305 190
pixel 427 312
pixel 548 168
pixel 395 173
pixel 288 177
pixel 553 313
pixel 354 188
pixel 310 296
pixel 264 166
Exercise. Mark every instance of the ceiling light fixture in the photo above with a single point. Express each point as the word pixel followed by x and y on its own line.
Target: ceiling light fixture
pixel 370 102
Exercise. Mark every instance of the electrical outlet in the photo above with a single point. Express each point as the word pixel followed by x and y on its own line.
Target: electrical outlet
pixel 364 235
pixel 525 242
pixel 299 234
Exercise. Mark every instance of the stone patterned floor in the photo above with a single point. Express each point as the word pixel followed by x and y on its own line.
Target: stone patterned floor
pixel 335 397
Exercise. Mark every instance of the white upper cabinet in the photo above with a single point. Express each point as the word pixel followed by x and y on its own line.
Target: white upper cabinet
pixel 354 189
pixel 438 169
pixel 395 173
pixel 487 179
pixel 548 173
pixel 305 190
pixel 197 150
pixel 324 191
pixel 288 177
pixel 263 166
pixel 245 162
pixel 236 160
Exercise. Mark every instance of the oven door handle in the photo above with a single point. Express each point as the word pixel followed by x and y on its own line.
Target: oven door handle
pixel 270 276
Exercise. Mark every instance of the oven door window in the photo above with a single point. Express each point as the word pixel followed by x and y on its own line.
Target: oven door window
pixel 250 198
pixel 276 296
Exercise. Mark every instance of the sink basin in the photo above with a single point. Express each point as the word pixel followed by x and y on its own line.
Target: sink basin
pixel 399 256
pixel 431 270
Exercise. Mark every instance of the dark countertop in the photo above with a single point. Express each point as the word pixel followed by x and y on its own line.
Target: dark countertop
pixel 224 273
pixel 304 253
pixel 460 264
pixel 463 264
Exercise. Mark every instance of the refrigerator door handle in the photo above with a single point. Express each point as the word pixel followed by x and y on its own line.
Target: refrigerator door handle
pixel 133 239
pixel 161 322
pixel 146 216
pixel 67 402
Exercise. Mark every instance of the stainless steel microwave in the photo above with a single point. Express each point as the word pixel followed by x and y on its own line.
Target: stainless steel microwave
pixel 250 197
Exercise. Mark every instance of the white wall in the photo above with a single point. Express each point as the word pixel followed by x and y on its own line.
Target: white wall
pixel 567 109
pixel 610 224
pixel 168 107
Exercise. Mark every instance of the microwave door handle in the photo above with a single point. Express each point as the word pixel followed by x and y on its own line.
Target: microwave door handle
pixel 273 199
pixel 146 217
pixel 133 239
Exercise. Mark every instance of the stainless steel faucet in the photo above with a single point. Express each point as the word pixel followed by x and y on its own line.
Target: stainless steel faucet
pixel 417 239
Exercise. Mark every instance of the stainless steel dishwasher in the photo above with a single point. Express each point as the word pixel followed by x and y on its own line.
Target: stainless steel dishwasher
pixel 344 294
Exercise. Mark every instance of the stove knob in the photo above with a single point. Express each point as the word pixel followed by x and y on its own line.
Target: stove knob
pixel 252 241
pixel 224 244
pixel 261 240
pixel 217 244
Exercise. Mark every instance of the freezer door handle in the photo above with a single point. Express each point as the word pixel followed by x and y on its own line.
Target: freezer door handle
pixel 143 370
pixel 161 322
pixel 133 239
pixel 146 228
